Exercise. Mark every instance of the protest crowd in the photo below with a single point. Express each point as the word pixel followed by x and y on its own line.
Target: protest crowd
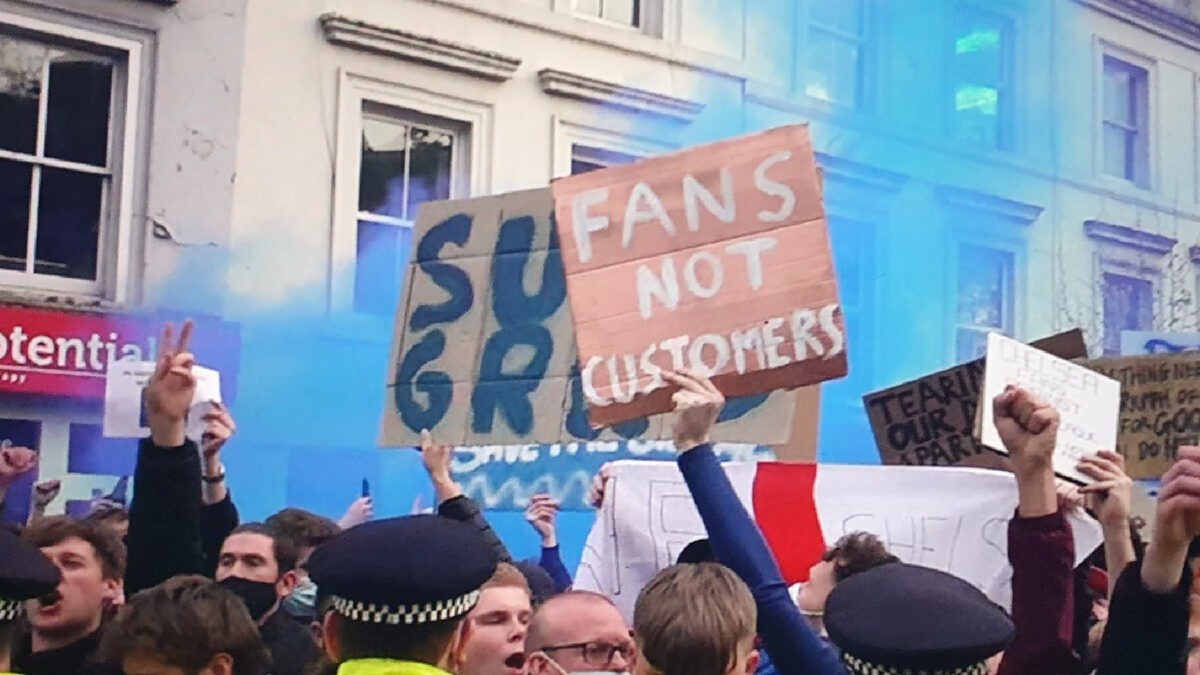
pixel 177 585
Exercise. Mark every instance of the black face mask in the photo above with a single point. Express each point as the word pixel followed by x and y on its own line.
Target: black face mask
pixel 259 596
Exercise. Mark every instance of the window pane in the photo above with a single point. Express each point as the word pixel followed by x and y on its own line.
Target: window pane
pixel 429 172
pixel 588 7
pixel 381 175
pixel 970 345
pixel 985 278
pixel 382 253
pixel 586 158
pixel 1128 305
pixel 68 239
pixel 20 88
pixel 621 11
pixel 14 214
pixel 842 15
pixel 977 115
pixel 979 49
pixel 1123 85
pixel 1118 152
pixel 833 72
pixel 78 108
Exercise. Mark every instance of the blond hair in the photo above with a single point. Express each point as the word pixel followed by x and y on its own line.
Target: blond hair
pixel 693 619
pixel 508 576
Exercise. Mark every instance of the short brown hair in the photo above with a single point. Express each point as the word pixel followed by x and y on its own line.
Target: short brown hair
pixel 692 619
pixel 57 529
pixel 507 575
pixel 284 549
pixel 305 528
pixel 186 621
pixel 857 552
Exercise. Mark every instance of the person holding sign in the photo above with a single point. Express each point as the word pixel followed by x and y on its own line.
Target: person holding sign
pixel 1148 620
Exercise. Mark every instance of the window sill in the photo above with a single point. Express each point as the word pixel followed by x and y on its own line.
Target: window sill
pixel 57 300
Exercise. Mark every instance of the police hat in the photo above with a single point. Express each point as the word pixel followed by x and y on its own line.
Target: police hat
pixel 897 618
pixel 24 574
pixel 410 570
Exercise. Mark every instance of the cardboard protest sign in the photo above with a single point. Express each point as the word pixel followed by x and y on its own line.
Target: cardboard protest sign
pixel 954 520
pixel 1160 408
pixel 484 352
pixel 1138 342
pixel 1087 402
pixel 715 259
pixel 931 421
pixel 125 399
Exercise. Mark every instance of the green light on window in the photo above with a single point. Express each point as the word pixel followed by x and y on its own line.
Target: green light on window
pixel 978 41
pixel 984 100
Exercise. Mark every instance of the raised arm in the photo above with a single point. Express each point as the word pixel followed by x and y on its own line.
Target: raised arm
pixel 452 503
pixel 542 514
pixel 736 540
pixel 1148 620
pixel 1040 546
pixel 164 516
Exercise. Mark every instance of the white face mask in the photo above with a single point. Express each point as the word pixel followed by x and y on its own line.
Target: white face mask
pixel 563 671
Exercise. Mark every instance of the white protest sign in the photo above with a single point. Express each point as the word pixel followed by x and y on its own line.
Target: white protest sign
pixel 951 519
pixel 1088 403
pixel 124 399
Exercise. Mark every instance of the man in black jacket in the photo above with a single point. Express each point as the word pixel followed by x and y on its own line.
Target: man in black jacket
pixel 258 564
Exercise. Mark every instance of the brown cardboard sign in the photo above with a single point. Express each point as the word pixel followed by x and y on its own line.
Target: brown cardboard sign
pixel 1160 408
pixel 716 259
pixel 931 421
pixel 484 352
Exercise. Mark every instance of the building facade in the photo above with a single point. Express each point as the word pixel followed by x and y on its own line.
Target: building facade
pixel 1022 166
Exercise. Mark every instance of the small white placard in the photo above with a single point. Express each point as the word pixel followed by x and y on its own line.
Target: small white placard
pixel 1087 402
pixel 124 399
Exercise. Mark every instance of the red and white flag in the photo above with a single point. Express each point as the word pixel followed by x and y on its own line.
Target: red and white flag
pixel 951 519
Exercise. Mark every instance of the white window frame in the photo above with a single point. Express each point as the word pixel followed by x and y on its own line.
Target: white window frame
pixel 657 18
pixel 1014 292
pixel 1010 91
pixel 1104 48
pixel 472 175
pixel 866 95
pixel 113 263
pixel 566 134
pixel 1134 259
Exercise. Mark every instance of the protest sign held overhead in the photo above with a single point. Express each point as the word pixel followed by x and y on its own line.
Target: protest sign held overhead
pixel 1160 408
pixel 125 393
pixel 954 520
pixel 931 421
pixel 714 259
pixel 483 351
pixel 1087 402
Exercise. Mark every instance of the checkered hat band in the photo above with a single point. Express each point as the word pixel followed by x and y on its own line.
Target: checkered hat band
pixel 859 667
pixel 11 609
pixel 430 612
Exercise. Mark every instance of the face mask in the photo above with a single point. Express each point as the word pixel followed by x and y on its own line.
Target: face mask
pixel 259 596
pixel 303 600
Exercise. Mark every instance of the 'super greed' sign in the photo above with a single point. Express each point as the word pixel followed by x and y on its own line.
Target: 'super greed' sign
pixel 484 350
pixel 715 259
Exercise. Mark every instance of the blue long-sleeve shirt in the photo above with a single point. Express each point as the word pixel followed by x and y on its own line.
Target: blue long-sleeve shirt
pixel 794 647
pixel 551 561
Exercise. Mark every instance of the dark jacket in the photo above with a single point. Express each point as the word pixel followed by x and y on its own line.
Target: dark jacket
pixel 464 509
pixel 1042 553
pixel 1147 632
pixel 74 659
pixel 217 521
pixel 164 517
pixel 291 647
